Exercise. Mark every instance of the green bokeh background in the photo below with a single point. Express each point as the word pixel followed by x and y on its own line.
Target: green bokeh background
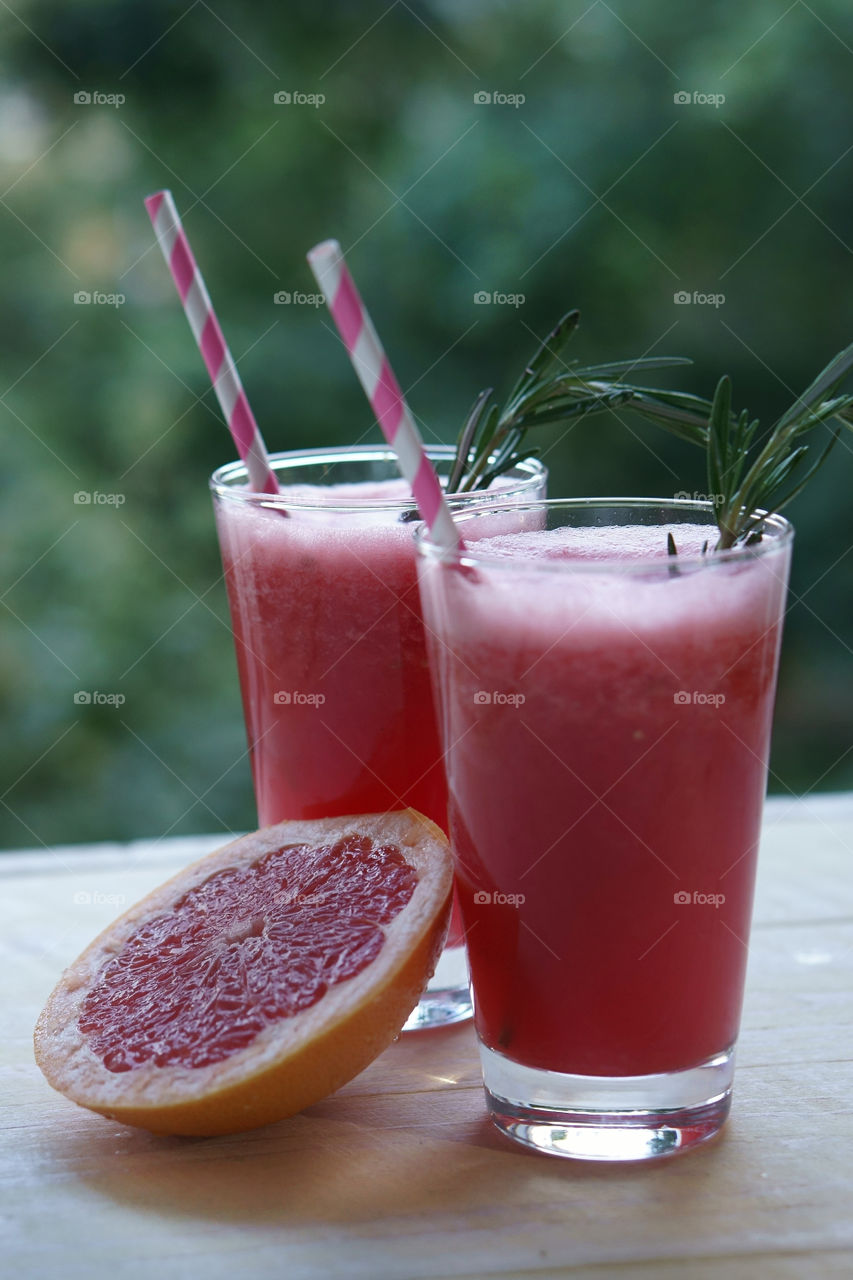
pixel 598 191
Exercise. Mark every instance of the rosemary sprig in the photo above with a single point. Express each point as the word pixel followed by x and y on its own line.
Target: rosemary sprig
pixel 550 390
pixel 749 477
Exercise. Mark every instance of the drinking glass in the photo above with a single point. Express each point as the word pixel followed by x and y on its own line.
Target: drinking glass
pixel 606 711
pixel 330 647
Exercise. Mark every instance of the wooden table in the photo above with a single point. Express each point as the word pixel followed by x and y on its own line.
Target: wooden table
pixel 400 1175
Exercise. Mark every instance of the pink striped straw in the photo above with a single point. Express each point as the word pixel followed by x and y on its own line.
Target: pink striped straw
pixel 214 349
pixel 382 390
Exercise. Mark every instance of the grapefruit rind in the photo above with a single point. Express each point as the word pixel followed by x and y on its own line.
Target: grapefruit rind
pixel 293 1062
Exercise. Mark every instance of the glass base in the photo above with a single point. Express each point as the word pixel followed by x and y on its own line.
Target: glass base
pixel 608 1117
pixel 447 998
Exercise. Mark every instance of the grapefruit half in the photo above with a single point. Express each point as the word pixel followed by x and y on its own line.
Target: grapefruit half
pixel 257 980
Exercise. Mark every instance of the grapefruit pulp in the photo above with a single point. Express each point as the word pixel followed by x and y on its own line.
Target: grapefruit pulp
pixel 257 980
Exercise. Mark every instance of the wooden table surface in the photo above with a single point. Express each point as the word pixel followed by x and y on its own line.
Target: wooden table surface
pixel 399 1174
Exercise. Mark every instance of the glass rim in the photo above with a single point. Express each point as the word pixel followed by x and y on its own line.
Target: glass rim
pixel 225 481
pixel 781 529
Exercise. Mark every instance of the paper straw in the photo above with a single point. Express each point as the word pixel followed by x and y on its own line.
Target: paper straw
pixel 382 390
pixel 214 349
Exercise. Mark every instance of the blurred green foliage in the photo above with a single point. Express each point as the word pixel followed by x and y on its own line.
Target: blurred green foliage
pixel 600 190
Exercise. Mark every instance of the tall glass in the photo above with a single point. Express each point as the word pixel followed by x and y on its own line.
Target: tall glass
pixel 330 648
pixel 606 712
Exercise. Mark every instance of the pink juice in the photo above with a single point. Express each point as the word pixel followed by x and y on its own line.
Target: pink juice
pixel 608 735
pixel 331 654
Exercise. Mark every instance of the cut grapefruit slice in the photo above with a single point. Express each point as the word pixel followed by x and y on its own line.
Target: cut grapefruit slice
pixel 255 982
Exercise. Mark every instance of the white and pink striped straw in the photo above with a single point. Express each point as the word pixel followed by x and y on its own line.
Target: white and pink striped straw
pixel 214 349
pixel 382 390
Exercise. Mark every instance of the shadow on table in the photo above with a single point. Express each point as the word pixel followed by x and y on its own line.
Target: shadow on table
pixel 422 1143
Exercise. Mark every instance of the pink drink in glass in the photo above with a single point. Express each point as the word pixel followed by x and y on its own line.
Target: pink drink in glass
pixel 330 647
pixel 323 613
pixel 607 720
